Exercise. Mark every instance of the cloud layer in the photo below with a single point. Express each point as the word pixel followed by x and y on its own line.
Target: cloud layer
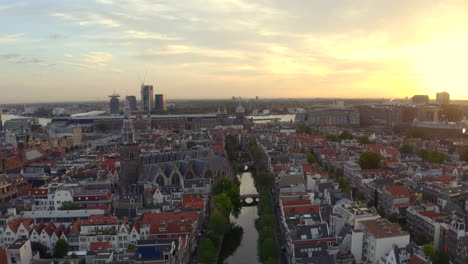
pixel 212 48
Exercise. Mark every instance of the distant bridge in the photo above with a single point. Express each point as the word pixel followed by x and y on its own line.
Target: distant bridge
pixel 266 119
pixel 250 199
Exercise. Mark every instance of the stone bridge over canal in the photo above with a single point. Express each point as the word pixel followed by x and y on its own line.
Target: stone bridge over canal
pixel 250 199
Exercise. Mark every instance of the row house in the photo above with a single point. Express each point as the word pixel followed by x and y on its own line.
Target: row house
pixel 16 229
pixel 394 197
pixel 98 228
pixel 172 225
pixel 48 234
pixel 47 198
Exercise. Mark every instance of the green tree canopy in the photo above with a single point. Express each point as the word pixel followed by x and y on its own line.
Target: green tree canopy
pixel 465 155
pixel 421 239
pixel 331 137
pixel 219 223
pixel 69 205
pixel 131 247
pixel 223 203
pixel 61 248
pixel 102 127
pixel 303 128
pixel 364 140
pixel 406 149
pixel 229 187
pixel 345 135
pixel 434 156
pixel 209 251
pixel 369 160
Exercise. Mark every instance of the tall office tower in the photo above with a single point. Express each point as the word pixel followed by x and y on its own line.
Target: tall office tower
pixel 114 104
pixel 129 153
pixel 147 99
pixel 420 99
pixel 443 98
pixel 131 99
pixel 160 102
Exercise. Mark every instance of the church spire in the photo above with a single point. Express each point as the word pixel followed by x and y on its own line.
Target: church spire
pixel 128 133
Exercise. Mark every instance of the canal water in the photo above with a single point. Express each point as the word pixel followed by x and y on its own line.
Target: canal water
pixel 240 244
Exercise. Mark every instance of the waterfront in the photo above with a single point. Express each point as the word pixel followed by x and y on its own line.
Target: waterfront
pixel 40 120
pixel 240 244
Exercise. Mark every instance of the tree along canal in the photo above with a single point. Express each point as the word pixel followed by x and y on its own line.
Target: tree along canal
pixel 240 244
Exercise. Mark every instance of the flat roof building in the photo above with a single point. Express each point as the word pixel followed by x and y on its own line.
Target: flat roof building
pixel 160 102
pixel 443 98
pixel 420 99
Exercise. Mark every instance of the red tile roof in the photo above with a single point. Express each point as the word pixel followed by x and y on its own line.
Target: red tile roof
pixel 95 246
pixel 193 200
pixel 39 227
pixel 34 192
pixel 416 260
pixel 3 256
pixel 155 218
pixel 92 196
pixel 217 147
pixel 14 225
pixel 50 227
pixel 430 214
pixel 100 220
pixel 294 150
pixel 301 209
pixel 293 203
pixel 27 223
pixel 398 191
pixel 136 226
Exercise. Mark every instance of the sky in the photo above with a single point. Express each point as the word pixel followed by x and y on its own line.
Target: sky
pixel 86 50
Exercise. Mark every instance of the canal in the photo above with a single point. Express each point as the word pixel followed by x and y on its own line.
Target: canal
pixel 240 244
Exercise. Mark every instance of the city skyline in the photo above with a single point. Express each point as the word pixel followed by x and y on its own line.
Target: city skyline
pixel 56 51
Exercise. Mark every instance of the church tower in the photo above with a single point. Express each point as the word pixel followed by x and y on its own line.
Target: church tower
pixel 129 154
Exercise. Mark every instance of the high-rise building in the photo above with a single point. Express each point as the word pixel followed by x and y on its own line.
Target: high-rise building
pixel 147 99
pixel 443 98
pixel 420 99
pixel 160 102
pixel 131 99
pixel 114 104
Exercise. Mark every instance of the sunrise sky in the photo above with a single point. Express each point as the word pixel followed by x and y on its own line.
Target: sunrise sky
pixel 86 50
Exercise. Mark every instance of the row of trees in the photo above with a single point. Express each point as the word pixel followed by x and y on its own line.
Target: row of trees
pixel 264 181
pixel 432 156
pixel 302 128
pixel 226 201
pixel 232 147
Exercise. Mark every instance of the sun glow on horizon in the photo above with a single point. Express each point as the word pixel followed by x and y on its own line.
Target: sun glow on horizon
pixel 442 64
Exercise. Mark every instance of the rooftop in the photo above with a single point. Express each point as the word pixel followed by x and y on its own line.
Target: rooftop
pixel 382 228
